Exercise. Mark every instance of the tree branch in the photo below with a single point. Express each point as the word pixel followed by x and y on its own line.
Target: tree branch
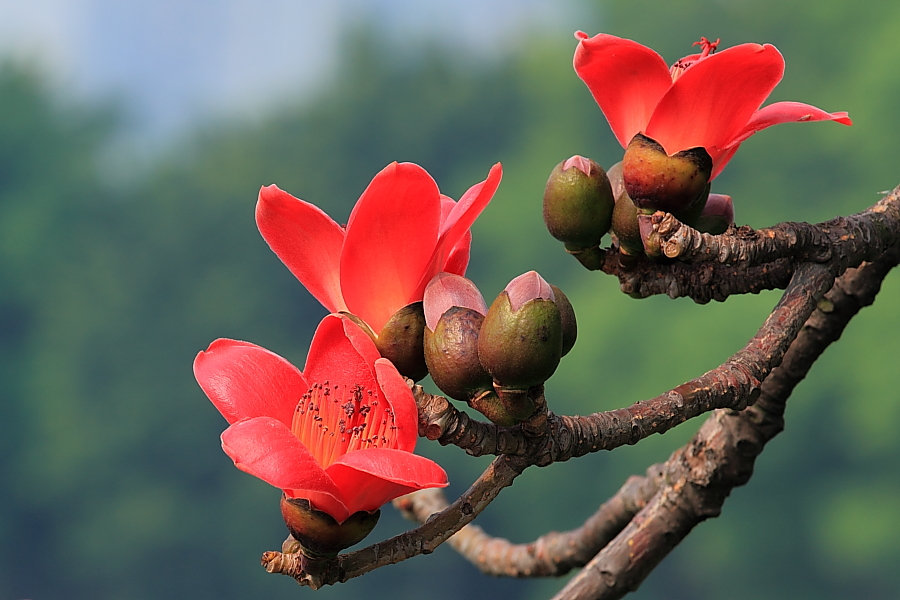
pixel 743 260
pixel 553 554
pixel 701 475
pixel 734 384
pixel 421 540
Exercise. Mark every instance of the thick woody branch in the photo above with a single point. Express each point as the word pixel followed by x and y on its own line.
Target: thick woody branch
pixel 846 241
pixel 734 384
pixel 743 260
pixel 552 554
pixel 421 540
pixel 641 277
pixel 721 456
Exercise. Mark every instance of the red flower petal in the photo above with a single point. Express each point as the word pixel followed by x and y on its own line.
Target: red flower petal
pixel 245 380
pixel 458 222
pixel 403 404
pixel 625 78
pixel 458 260
pixel 390 238
pixel 715 97
pixel 306 240
pixel 339 358
pixel 266 448
pixel 369 478
pixel 786 112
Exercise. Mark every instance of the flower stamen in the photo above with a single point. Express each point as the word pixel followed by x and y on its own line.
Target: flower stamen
pixel 332 420
pixel 681 65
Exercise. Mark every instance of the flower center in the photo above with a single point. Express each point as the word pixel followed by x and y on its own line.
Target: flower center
pixel 332 420
pixel 706 48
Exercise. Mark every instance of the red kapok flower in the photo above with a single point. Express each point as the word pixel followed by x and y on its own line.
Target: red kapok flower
pixel 340 434
pixel 401 233
pixel 709 100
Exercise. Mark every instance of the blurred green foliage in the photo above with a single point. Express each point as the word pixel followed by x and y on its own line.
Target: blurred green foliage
pixel 113 484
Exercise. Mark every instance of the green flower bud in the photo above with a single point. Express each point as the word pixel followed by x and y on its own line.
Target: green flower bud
pixel 656 181
pixel 578 203
pixel 401 339
pixel 451 352
pixel 717 215
pixel 318 533
pixel 567 315
pixel 454 311
pixel 624 217
pixel 520 343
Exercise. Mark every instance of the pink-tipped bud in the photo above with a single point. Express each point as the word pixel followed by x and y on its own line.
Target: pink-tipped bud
pixel 656 181
pixel 528 286
pixel 717 215
pixel 520 343
pixel 578 204
pixel 447 290
pixel 454 312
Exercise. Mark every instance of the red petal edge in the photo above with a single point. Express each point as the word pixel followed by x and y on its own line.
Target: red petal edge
pixel 626 79
pixel 266 448
pixel 244 380
pixel 369 478
pixel 306 240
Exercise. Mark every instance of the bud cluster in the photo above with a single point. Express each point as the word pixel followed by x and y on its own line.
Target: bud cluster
pixel 582 202
pixel 492 357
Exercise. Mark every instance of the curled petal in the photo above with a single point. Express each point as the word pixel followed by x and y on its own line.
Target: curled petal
pixel 306 240
pixel 458 260
pixel 391 236
pixel 714 98
pixel 456 225
pixel 403 404
pixel 341 353
pixel 266 448
pixel 244 380
pixel 627 80
pixel 786 112
pixel 369 478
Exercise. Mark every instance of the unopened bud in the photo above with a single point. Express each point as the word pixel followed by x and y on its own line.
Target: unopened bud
pixel 451 352
pixel 520 343
pixel 691 214
pixel 717 215
pixel 625 215
pixel 400 341
pixel 578 203
pixel 656 181
pixel 454 312
pixel 567 317
pixel 318 533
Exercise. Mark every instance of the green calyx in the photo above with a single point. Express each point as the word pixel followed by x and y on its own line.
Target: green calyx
pixel 656 181
pixel 624 218
pixel 401 341
pixel 319 534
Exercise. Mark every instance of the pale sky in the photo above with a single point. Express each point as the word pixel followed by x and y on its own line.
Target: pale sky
pixel 174 61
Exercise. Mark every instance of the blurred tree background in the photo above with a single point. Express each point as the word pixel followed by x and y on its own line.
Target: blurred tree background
pixel 113 483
